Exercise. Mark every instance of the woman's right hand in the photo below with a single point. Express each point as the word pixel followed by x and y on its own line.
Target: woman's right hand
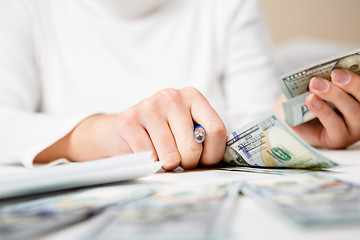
pixel 162 123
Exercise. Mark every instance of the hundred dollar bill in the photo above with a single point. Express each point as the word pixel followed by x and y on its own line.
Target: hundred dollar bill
pixel 309 199
pixel 268 142
pixel 296 83
pixel 181 212
pixel 265 170
pixel 30 219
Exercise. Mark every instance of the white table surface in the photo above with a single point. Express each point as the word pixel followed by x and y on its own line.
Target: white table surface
pixel 251 220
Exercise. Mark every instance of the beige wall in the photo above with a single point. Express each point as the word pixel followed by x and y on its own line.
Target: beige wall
pixel 324 19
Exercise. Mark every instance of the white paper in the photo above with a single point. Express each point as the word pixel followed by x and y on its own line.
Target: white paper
pixel 66 176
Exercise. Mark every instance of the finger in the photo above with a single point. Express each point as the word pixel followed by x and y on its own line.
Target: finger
pixel 131 134
pixel 182 127
pixel 334 126
pixel 311 132
pixel 348 81
pixel 346 104
pixel 156 125
pixel 139 140
pixel 164 144
pixel 206 116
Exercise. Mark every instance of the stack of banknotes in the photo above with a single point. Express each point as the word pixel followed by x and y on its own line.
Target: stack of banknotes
pixel 126 212
pixel 268 142
pixel 309 199
pixel 295 85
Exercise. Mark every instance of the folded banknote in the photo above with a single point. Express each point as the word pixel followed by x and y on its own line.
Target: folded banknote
pixel 295 85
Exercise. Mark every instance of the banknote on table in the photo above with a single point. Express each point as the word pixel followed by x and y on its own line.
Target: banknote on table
pixel 295 85
pixel 268 142
pixel 266 170
pixel 175 212
pixel 309 199
pixel 33 218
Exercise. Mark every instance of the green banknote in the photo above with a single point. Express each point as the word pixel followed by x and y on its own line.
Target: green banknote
pixel 265 170
pixel 32 218
pixel 175 212
pixel 295 85
pixel 309 199
pixel 268 142
pixel 296 111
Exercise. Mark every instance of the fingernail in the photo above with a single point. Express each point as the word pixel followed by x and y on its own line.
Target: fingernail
pixel 340 76
pixel 315 102
pixel 320 85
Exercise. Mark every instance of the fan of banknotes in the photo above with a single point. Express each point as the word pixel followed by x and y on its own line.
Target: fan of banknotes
pixel 295 85
pixel 269 142
pixel 309 199
pixel 126 212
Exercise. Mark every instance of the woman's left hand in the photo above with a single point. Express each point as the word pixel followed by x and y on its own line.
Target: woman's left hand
pixel 333 129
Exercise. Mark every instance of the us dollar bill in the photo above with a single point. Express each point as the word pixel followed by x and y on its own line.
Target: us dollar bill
pixel 204 211
pixel 268 142
pixel 272 171
pixel 309 199
pixel 296 111
pixel 34 218
pixel 296 83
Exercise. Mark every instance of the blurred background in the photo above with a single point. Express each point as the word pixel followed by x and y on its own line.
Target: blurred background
pixel 322 19
pixel 307 31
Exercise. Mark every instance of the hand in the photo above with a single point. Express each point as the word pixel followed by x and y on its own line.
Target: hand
pixel 332 129
pixel 163 123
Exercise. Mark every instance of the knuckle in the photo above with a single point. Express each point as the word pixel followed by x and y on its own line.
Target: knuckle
pixel 169 96
pixel 128 116
pixel 194 149
pixel 193 92
pixel 149 106
pixel 217 130
pixel 191 152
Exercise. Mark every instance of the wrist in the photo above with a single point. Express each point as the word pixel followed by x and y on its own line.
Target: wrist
pixel 91 139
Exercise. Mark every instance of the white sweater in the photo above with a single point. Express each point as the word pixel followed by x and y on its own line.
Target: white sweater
pixel 63 60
